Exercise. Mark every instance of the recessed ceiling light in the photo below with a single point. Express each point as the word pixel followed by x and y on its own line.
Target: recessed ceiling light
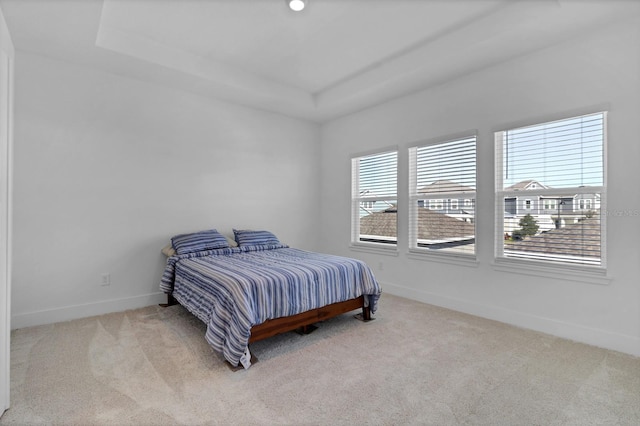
pixel 296 5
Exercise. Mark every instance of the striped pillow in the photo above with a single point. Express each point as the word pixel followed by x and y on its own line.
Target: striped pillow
pixel 247 237
pixel 199 241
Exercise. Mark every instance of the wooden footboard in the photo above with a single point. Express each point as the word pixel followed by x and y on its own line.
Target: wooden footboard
pixel 272 327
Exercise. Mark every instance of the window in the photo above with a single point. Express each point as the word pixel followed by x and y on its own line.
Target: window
pixel 527 204
pixel 550 204
pixel 566 159
pixel 436 204
pixel 443 172
pixel 374 198
pixel 584 204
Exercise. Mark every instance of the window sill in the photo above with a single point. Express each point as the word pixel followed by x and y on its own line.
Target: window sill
pixel 584 275
pixel 375 248
pixel 454 259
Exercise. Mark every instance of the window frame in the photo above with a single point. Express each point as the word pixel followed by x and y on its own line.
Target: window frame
pixel 357 199
pixel 463 200
pixel 583 272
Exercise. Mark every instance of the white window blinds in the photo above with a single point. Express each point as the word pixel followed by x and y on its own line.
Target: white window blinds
pixel 442 184
pixel 550 191
pixel 374 209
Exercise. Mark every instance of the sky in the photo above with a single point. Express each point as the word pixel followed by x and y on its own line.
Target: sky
pixel 561 154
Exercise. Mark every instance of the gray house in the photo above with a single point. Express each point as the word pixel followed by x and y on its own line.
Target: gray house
pixel 551 212
pixel 461 206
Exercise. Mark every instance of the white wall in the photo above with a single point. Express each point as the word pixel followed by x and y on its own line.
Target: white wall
pixel 599 70
pixel 107 169
pixel 6 146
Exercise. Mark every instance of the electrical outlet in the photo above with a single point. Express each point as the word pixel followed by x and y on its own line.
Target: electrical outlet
pixel 106 279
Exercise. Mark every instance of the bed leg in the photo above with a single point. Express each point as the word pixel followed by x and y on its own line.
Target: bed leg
pixel 366 313
pixel 170 301
pixel 307 329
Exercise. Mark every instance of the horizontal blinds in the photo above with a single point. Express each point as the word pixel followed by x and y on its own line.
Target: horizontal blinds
pixel 446 167
pixel 443 183
pixel 378 175
pixel 560 154
pixel 375 186
pixel 552 191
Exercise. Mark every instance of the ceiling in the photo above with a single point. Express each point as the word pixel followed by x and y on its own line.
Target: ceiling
pixel 334 58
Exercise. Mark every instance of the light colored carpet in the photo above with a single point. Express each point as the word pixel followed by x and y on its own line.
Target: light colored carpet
pixel 415 364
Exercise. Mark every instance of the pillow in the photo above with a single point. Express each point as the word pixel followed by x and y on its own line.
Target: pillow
pixel 198 241
pixel 231 241
pixel 247 237
pixel 168 250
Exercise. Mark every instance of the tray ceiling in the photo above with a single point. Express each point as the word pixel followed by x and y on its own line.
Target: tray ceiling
pixel 334 58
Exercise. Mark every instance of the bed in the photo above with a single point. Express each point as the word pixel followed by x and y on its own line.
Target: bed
pixel 254 287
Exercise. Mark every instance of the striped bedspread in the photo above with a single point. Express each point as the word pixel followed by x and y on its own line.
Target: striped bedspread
pixel 233 289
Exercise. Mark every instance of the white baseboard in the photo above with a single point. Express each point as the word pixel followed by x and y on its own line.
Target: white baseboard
pixel 579 333
pixel 67 313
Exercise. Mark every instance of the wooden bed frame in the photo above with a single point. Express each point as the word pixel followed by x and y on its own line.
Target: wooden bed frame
pixel 302 320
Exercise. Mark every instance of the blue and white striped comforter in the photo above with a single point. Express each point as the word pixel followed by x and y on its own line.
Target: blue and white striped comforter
pixel 233 289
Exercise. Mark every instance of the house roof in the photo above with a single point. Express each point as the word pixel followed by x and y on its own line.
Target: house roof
pixel 524 185
pixel 577 239
pixel 431 225
pixel 445 186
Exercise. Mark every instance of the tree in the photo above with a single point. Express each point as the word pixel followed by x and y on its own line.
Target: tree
pixel 528 225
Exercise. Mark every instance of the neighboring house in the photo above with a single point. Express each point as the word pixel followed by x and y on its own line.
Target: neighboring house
pixel 460 207
pixel 550 212
pixel 448 219
pixel 368 207
pixel 435 230
pixel 442 222
pixel 526 204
